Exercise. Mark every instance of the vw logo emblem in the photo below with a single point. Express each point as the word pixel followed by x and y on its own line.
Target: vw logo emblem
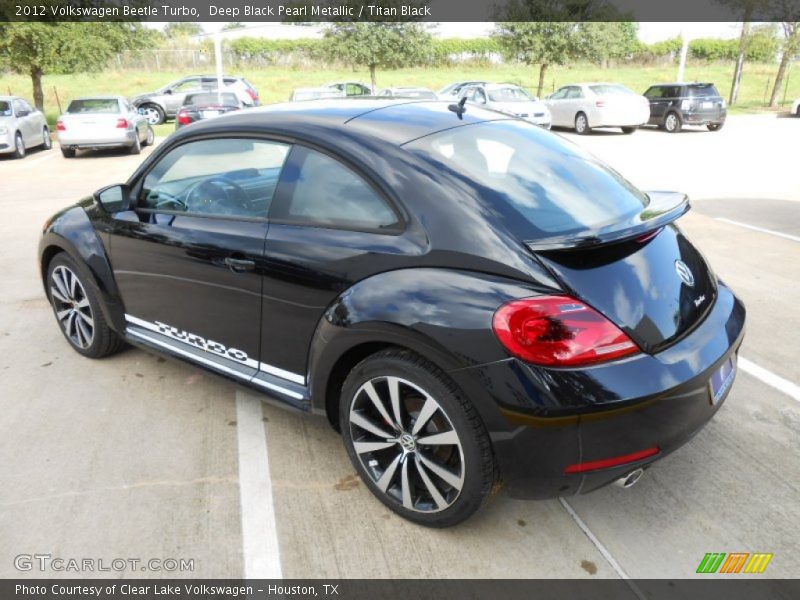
pixel 407 442
pixel 684 273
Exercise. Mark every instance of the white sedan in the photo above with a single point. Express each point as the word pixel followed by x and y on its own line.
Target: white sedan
pixel 511 100
pixel 796 108
pixel 585 106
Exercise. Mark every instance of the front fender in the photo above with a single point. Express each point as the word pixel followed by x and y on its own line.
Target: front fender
pixel 445 315
pixel 71 231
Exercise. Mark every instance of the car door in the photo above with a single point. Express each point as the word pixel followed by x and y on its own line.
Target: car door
pixel 189 258
pixel 25 121
pixel 556 105
pixel 329 227
pixel 658 103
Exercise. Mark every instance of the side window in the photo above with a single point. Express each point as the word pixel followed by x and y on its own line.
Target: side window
pixel 480 96
pixel 26 106
pixel 232 177
pixel 187 85
pixel 673 92
pixel 574 92
pixel 321 191
pixel 654 92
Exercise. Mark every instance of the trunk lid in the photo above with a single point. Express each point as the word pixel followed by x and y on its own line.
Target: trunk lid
pixel 656 290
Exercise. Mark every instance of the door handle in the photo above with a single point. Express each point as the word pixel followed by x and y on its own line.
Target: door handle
pixel 239 265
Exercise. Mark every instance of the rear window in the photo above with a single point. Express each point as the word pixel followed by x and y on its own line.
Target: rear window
pixel 94 105
pixel 211 99
pixel 702 90
pixel 509 94
pixel 538 183
pixel 5 109
pixel 421 94
pixel 610 90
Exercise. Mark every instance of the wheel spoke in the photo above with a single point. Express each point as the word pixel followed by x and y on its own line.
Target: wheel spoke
pixel 429 485
pixel 58 295
pixel 63 314
pixel 446 437
pixel 428 409
pixel 73 282
pixel 361 421
pixel 449 478
pixel 394 395
pixel 388 474
pixel 405 486
pixel 60 284
pixel 86 318
pixel 363 447
pixel 83 303
pixel 376 401
pixel 86 334
pixel 70 325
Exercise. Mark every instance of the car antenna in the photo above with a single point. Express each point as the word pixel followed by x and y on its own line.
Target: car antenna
pixel 459 108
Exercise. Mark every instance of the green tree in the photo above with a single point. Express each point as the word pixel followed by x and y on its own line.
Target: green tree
pixel 377 45
pixel 602 41
pixel 183 29
pixel 789 49
pixel 233 25
pixel 37 48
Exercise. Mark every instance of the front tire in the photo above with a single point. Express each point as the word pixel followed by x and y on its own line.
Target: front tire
pixel 155 114
pixel 628 130
pixel 77 310
pixel 19 146
pixel 416 441
pixel 673 122
pixel 582 124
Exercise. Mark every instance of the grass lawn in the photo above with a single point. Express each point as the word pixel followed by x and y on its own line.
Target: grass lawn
pixel 276 83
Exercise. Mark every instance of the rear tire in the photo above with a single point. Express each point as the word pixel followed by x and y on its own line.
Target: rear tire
pixel 136 148
pixel 582 124
pixel 150 137
pixel 715 126
pixel 68 152
pixel 19 146
pixel 628 130
pixel 47 141
pixel 437 484
pixel 673 122
pixel 77 310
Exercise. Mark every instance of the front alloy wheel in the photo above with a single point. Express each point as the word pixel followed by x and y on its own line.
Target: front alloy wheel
pixel 416 442
pixel 72 307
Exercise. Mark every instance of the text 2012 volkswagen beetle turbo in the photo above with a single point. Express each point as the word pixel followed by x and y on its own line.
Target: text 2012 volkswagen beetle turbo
pixel 469 299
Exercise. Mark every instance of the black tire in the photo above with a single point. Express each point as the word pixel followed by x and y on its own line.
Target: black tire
pixel 150 137
pixel 47 141
pixel 582 124
pixel 154 113
pixel 136 148
pixel 19 146
pixel 673 122
pixel 797 114
pixel 628 130
pixel 715 126
pixel 68 152
pixel 102 340
pixel 469 458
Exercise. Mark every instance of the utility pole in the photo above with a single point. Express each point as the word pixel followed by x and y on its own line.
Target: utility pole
pixel 684 52
pixel 218 60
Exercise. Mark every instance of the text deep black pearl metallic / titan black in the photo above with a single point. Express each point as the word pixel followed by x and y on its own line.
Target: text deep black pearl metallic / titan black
pixel 469 299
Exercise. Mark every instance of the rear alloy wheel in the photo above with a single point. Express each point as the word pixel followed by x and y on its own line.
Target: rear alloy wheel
pixel 19 146
pixel 417 443
pixel 77 310
pixel 673 123
pixel 628 130
pixel 150 137
pixel 136 148
pixel 47 141
pixel 714 126
pixel 582 124
pixel 155 114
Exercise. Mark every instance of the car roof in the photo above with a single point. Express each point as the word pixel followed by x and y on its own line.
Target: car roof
pixel 99 97
pixel 391 120
pixel 682 83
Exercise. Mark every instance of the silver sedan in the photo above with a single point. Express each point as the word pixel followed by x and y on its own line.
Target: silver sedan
pixel 21 127
pixel 97 122
pixel 584 106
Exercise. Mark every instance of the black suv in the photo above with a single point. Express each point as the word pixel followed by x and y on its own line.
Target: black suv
pixel 673 105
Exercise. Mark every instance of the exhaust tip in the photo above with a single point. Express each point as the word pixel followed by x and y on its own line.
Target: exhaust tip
pixel 631 479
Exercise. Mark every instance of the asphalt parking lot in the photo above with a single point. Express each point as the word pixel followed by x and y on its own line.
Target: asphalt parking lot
pixel 139 457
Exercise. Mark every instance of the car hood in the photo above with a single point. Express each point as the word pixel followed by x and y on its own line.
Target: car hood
pixel 8 120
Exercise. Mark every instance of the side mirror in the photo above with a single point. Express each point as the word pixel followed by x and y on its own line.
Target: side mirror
pixel 168 91
pixel 23 113
pixel 114 198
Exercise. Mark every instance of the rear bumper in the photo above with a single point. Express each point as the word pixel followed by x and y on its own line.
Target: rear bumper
pixel 126 138
pixel 704 118
pixel 562 417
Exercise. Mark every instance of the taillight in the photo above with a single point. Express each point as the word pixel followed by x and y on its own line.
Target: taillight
pixel 183 117
pixel 607 463
pixel 122 123
pixel 60 126
pixel 253 94
pixel 600 103
pixel 559 331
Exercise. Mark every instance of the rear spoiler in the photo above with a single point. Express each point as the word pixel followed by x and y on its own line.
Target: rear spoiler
pixel 663 209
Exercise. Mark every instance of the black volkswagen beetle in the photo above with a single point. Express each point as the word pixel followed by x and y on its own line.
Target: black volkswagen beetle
pixel 468 298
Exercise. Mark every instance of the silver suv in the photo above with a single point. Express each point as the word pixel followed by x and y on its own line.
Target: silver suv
pixel 164 104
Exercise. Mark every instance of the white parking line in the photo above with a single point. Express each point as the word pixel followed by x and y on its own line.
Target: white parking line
pixel 29 162
pixel 260 548
pixel 787 236
pixel 602 549
pixel 779 383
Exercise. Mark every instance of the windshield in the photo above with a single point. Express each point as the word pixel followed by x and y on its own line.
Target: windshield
pixel 702 90
pixel 211 99
pixel 510 94
pixel 94 105
pixel 610 90
pixel 538 183
pixel 5 109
